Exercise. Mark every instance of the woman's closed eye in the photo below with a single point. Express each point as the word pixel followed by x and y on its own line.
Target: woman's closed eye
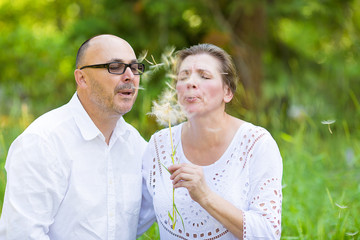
pixel 183 76
pixel 204 74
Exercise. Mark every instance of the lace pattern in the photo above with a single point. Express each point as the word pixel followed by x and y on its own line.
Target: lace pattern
pixel 229 177
pixel 271 206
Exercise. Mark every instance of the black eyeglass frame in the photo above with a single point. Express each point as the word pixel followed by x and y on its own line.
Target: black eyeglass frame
pixel 106 65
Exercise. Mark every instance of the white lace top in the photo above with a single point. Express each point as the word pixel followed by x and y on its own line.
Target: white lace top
pixel 248 175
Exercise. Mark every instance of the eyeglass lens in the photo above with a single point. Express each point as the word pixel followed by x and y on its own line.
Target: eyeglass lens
pixel 120 68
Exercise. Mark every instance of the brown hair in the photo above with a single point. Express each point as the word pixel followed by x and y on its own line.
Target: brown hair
pixel 227 67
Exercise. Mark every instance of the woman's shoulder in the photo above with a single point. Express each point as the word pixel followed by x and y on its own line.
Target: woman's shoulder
pixel 250 134
pixel 253 130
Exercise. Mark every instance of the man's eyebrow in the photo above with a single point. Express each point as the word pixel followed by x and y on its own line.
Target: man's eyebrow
pixel 122 60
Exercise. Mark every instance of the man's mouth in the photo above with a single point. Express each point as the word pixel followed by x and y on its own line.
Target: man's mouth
pixel 126 92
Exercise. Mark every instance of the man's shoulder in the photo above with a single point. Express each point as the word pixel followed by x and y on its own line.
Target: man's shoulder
pixel 50 121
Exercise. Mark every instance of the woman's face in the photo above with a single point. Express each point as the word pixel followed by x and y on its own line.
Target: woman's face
pixel 200 87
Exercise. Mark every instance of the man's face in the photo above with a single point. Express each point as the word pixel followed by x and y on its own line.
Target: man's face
pixel 110 93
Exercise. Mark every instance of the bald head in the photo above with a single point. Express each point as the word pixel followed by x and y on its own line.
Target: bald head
pixel 96 42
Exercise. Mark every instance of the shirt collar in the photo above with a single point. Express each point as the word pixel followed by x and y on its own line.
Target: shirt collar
pixel 87 127
pixel 121 129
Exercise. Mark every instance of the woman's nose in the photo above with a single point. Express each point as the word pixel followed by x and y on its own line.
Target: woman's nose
pixel 191 82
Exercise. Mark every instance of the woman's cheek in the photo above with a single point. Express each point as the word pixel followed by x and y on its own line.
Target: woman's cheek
pixel 180 88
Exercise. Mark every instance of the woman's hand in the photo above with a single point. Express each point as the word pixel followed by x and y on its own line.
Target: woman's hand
pixel 192 178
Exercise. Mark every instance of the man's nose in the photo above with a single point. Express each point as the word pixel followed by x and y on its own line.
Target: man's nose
pixel 128 74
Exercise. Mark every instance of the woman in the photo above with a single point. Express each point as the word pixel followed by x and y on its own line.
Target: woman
pixel 228 174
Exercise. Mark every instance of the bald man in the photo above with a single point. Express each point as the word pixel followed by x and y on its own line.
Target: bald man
pixel 75 172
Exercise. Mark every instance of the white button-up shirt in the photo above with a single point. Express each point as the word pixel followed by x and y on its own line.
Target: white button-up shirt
pixel 65 182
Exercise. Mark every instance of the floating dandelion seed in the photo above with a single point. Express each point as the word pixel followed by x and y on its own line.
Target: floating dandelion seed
pixel 328 122
pixel 142 56
pixel 352 234
pixel 340 206
pixel 140 88
pixel 167 62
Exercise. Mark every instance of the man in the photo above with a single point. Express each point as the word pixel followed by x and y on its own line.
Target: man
pixel 75 172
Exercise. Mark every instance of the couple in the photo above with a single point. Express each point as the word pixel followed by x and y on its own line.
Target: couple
pixel 82 172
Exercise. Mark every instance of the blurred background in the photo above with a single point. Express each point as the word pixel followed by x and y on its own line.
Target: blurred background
pixel 299 68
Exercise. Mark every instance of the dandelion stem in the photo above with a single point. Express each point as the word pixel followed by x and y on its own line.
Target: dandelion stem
pixel 173 161
pixel 172 145
pixel 167 112
pixel 174 215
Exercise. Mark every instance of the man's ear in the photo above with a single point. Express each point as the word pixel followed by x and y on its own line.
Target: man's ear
pixel 228 94
pixel 80 78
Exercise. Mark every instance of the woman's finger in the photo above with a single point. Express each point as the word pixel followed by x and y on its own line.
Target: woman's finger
pixel 176 167
pixel 182 177
pixel 180 168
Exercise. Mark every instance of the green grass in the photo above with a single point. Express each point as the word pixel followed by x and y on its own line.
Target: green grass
pixel 321 181
pixel 321 185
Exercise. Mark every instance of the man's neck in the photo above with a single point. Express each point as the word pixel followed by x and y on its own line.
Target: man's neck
pixel 104 121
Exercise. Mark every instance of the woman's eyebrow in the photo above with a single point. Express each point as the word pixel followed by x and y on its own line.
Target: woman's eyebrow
pixel 186 71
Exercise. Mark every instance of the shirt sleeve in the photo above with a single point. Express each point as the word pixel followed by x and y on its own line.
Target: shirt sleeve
pixel 147 213
pixel 263 219
pixel 35 188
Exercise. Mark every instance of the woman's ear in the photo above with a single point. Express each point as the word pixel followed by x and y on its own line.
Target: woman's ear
pixel 228 94
pixel 80 78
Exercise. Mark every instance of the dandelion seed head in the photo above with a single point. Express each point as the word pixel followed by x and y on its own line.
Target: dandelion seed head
pixel 167 108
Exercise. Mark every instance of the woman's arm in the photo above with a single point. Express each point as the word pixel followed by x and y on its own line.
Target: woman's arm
pixel 191 177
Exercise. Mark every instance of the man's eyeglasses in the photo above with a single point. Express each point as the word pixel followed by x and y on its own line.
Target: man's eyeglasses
pixel 119 67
